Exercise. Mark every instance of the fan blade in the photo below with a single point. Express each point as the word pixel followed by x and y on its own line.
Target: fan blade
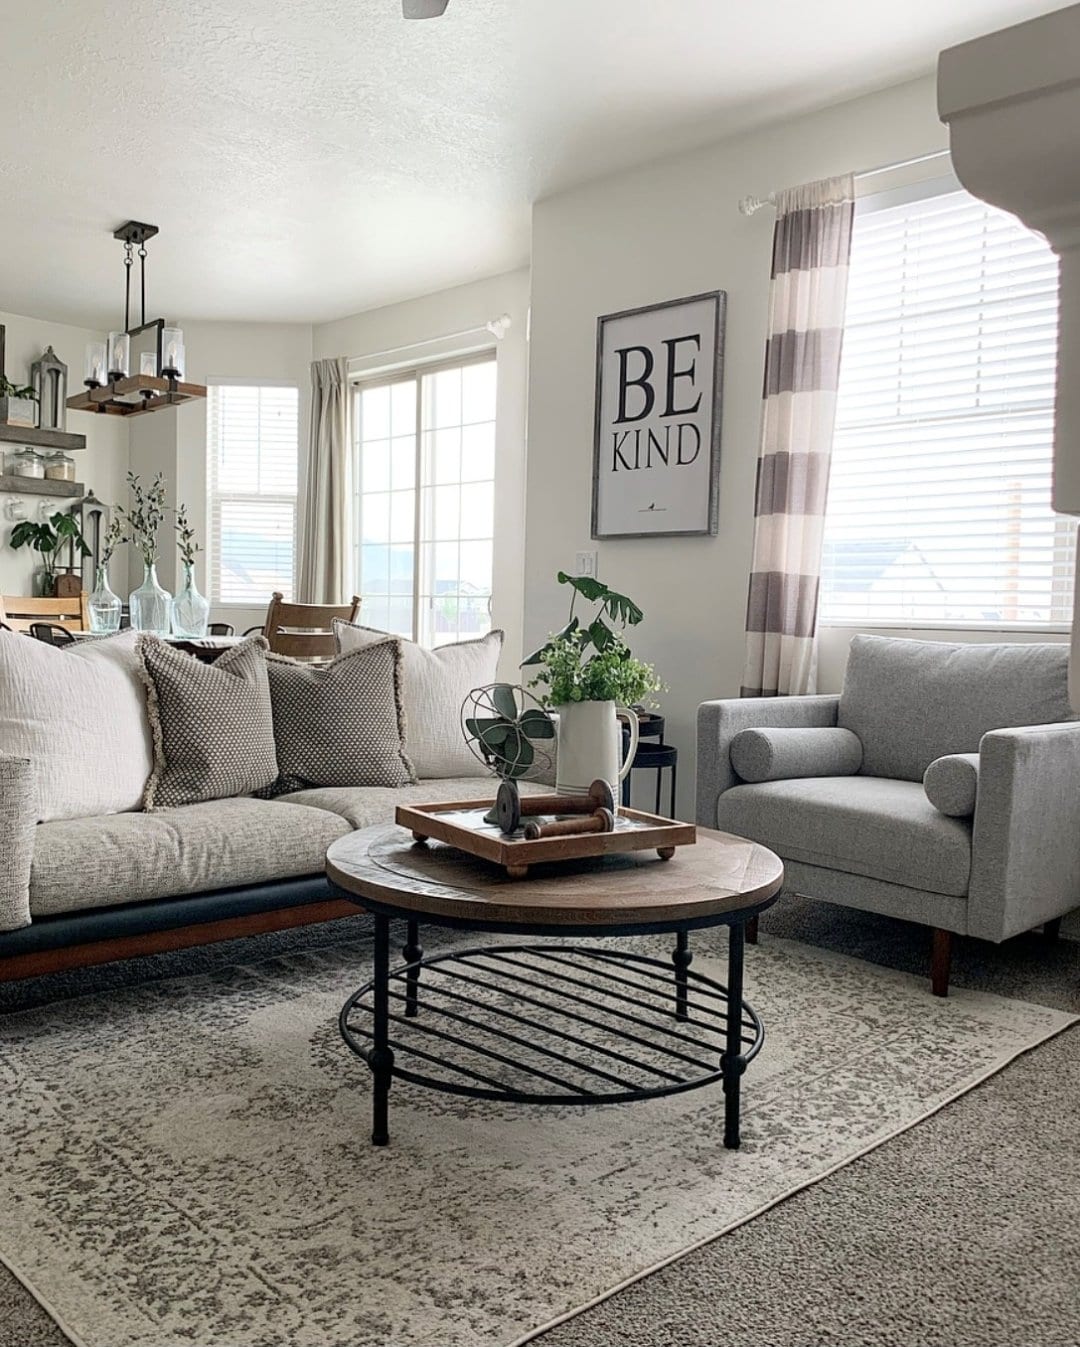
pixel 423 9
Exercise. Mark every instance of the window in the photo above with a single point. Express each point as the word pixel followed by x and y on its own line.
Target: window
pixel 251 443
pixel 939 495
pixel 425 454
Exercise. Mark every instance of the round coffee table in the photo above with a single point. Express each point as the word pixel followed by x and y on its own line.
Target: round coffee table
pixel 553 1023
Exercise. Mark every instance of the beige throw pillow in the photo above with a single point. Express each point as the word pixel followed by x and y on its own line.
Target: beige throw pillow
pixel 435 683
pixel 79 715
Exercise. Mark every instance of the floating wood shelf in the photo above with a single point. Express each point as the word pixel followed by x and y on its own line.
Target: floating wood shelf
pixel 40 439
pixel 110 397
pixel 39 486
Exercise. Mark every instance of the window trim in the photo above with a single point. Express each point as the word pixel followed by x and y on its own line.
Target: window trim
pixel 885 198
pixel 234 381
pixel 416 371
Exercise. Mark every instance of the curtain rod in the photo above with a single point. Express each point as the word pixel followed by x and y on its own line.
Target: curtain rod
pixel 497 327
pixel 749 205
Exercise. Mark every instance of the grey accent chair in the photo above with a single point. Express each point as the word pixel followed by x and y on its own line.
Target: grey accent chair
pixel 941 786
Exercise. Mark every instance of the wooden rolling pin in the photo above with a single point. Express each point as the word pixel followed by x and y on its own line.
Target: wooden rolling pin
pixel 600 821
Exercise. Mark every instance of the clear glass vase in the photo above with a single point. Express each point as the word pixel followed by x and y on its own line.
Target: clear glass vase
pixel 103 604
pixel 150 605
pixel 190 610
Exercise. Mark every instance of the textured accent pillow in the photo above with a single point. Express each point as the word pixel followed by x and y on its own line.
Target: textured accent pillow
pixel 784 754
pixel 342 723
pixel 434 685
pixel 79 715
pixel 952 783
pixel 212 723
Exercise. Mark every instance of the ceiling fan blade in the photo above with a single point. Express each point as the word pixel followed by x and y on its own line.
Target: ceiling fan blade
pixel 423 9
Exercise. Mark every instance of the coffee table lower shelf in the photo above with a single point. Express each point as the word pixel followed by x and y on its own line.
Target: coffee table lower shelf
pixel 546 1023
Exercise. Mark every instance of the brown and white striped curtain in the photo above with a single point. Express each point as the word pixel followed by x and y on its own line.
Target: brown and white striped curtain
pixel 811 247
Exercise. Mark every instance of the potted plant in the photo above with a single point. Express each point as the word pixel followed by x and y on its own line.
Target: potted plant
pixel 105 606
pixel 46 539
pixel 590 680
pixel 18 405
pixel 190 610
pixel 150 605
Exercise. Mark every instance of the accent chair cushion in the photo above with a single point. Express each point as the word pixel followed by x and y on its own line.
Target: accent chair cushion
pixel 783 754
pixel 129 858
pixel 212 723
pixel 435 684
pixel 79 715
pixel 341 723
pixel 951 784
pixel 911 702
pixel 874 826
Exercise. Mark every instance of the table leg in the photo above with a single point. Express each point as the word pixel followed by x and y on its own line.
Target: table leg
pixel 681 957
pixel 381 1056
pixel 412 952
pixel 674 769
pixel 732 1063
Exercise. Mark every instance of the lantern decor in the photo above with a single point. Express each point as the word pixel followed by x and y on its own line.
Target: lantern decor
pixel 48 378
pixel 139 369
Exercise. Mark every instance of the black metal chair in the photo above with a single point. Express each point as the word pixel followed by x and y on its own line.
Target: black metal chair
pixel 254 631
pixel 221 629
pixel 51 633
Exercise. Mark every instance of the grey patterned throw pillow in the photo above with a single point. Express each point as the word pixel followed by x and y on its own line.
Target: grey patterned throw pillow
pixel 212 724
pixel 342 723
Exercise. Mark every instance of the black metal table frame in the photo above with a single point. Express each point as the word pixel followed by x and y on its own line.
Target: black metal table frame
pixel 380 1055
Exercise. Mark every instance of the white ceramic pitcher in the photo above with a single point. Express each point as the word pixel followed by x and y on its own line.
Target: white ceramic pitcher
pixel 590 746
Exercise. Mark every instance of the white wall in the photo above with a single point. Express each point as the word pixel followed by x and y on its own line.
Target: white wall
pixel 669 229
pixel 102 465
pixel 466 309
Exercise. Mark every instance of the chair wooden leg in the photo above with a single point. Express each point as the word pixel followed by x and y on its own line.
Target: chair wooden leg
pixel 1052 929
pixel 940 962
pixel 751 931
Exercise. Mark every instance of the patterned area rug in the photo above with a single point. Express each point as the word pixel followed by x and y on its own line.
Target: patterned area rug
pixel 188 1162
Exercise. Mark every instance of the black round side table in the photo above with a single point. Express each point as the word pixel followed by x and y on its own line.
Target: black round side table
pixel 652 757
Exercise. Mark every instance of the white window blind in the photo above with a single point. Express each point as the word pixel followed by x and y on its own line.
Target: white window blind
pixel 425 484
pixel 252 436
pixel 939 494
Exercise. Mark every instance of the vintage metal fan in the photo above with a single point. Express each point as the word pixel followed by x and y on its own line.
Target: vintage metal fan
pixel 508 730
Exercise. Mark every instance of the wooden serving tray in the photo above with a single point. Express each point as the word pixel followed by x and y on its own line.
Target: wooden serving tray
pixel 462 825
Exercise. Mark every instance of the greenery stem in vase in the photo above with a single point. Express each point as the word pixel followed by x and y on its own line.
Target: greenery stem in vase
pixel 190 610
pixel 150 604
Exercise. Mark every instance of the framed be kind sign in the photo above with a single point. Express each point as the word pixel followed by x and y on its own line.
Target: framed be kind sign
pixel 659 385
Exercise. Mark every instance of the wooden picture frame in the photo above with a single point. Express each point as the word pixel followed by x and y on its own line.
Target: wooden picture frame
pixel 659 402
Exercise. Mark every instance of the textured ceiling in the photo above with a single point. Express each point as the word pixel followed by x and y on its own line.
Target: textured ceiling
pixel 306 159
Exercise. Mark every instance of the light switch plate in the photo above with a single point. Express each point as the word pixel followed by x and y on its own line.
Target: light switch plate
pixel 585 563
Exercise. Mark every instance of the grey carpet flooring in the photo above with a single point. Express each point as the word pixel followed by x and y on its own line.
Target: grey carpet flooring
pixel 963 1232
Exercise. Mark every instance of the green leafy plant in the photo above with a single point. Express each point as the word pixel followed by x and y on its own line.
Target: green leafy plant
pixel 48 539
pixel 114 536
pixel 143 519
pixel 570 673
pixel 10 390
pixel 185 537
pixel 504 737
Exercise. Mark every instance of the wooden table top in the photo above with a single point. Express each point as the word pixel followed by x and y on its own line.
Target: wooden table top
pixel 718 876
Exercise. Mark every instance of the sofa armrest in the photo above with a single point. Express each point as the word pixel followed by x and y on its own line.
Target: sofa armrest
pixel 1025 858
pixel 720 721
pixel 17 818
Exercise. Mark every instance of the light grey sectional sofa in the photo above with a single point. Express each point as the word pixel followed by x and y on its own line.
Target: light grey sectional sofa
pixel 835 785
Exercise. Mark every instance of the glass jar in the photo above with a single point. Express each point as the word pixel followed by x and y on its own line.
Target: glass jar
pixel 60 468
pixel 26 463
pixel 190 610
pixel 150 605
pixel 103 604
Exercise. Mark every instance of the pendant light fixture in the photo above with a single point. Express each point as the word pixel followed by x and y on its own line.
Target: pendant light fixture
pixel 138 369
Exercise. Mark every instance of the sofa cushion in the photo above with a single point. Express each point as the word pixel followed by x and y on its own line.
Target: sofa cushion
pixel 341 723
pixel 782 754
pixel 913 701
pixel 17 819
pixel 79 715
pixel 952 783
pixel 366 806
pixel 884 829
pixel 435 684
pixel 213 726
pixel 128 858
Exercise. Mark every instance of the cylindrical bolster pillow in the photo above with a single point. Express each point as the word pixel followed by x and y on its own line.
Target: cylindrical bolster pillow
pixel 779 755
pixel 951 784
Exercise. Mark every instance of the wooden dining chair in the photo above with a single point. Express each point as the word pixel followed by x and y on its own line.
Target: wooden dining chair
pixel 20 612
pixel 305 630
pixel 221 629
